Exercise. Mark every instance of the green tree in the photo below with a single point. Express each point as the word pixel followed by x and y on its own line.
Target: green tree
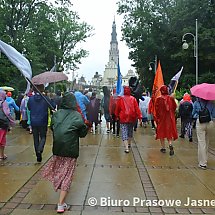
pixel 155 27
pixel 41 31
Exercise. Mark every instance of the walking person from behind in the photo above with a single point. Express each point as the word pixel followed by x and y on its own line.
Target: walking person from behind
pixel 12 105
pixel 185 112
pixel 67 126
pixel 105 105
pixel 204 112
pixel 6 121
pixel 128 112
pixel 93 111
pixel 38 108
pixel 112 107
pixel 165 107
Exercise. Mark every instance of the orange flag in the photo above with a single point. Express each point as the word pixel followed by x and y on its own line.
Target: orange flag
pixel 158 82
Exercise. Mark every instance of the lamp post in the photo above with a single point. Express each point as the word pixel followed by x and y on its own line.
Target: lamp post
pixel 154 63
pixel 195 47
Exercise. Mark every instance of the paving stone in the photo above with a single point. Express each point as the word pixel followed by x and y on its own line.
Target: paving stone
pixel 182 210
pixel 21 195
pixel 116 209
pixel 5 211
pixel 10 205
pixel 36 206
pixel 150 193
pixel 128 209
pixel 168 210
pixel 16 199
pixel 24 206
pixel 155 209
pixel 208 210
pixel 76 208
pixel 50 207
pixel 195 211
pixel 149 189
pixel 142 209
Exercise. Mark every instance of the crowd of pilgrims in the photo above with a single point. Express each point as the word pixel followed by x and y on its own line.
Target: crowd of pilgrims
pixel 93 105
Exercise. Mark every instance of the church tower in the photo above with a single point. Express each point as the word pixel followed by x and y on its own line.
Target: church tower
pixel 114 51
pixel 110 73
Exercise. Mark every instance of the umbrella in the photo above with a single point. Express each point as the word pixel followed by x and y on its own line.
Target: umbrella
pixel 49 77
pixel 7 88
pixel 204 91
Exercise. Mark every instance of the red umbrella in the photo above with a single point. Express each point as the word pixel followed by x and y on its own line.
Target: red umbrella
pixel 49 77
pixel 204 91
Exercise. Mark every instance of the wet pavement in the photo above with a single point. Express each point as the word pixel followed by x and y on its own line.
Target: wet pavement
pixel 145 181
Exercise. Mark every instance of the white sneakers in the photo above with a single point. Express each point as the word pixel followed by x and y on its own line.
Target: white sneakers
pixel 62 208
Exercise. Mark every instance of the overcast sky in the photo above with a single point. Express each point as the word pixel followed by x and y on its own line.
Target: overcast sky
pixel 100 14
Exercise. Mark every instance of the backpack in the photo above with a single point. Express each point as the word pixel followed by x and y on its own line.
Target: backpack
pixel 204 114
pixel 4 121
pixel 186 109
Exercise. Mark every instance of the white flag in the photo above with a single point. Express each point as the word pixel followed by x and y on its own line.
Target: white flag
pixel 174 81
pixel 177 76
pixel 18 60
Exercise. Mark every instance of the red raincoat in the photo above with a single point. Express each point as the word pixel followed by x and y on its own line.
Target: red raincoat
pixel 165 107
pixel 127 109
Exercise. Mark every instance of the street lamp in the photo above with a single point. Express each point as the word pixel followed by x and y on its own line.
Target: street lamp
pixel 195 47
pixel 154 63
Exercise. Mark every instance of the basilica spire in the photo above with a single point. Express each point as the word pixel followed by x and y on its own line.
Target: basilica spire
pixel 114 51
pixel 114 34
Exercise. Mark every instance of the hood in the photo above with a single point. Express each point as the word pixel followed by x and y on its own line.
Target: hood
pixel 186 97
pixel 2 95
pixel 9 94
pixel 68 101
pixel 164 90
pixel 127 91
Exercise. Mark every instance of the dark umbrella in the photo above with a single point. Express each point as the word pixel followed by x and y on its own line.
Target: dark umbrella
pixel 49 77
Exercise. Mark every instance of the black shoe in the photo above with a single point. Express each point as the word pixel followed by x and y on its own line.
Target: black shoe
pixel 181 136
pixel 135 129
pixel 163 150
pixel 191 139
pixel 39 157
pixel 171 152
pixel 126 150
pixel 129 145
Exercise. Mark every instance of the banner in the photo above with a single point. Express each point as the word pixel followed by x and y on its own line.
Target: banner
pixel 174 82
pixel 119 87
pixel 158 82
pixel 18 60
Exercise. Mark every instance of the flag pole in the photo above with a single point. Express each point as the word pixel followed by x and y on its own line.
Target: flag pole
pixel 50 105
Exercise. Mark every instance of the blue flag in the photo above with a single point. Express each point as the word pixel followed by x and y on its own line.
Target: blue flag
pixel 119 87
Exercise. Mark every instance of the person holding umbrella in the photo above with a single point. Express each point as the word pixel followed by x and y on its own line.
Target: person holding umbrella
pixel 38 108
pixel 204 112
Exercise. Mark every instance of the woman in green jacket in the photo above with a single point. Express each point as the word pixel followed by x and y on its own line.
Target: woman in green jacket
pixel 67 125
